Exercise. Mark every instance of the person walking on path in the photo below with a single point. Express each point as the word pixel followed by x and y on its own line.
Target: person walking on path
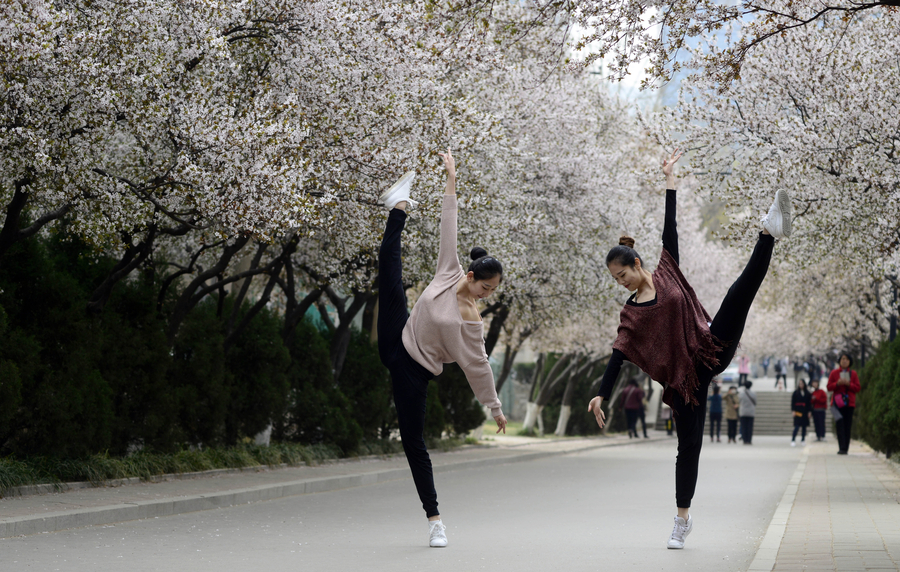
pixel 801 406
pixel 780 374
pixel 686 364
pixel 819 401
pixel 743 369
pixel 633 403
pixel 730 406
pixel 715 414
pixel 444 327
pixel 747 411
pixel 844 383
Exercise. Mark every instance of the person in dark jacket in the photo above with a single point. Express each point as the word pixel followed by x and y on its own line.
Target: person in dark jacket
pixel 819 405
pixel 801 406
pixel 715 414
pixel 633 403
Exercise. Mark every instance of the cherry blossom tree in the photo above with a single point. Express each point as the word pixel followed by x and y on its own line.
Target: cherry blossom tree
pixel 814 113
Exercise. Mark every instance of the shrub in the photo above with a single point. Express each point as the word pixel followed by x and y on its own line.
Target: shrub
pixel 878 403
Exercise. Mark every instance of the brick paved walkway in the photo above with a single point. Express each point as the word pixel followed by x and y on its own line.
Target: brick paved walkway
pixel 845 515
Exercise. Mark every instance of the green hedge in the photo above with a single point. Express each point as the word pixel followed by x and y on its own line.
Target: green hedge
pixel 878 403
pixel 74 385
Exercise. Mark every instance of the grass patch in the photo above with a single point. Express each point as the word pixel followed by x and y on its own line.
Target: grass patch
pixel 100 468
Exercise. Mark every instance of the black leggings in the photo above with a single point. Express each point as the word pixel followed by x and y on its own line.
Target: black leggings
pixel 732 429
pixel 844 428
pixel 715 425
pixel 727 326
pixel 409 379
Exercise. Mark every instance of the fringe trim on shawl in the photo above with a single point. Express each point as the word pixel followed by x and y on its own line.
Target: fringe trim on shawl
pixel 705 356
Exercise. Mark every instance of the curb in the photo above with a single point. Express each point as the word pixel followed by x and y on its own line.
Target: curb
pixel 53 522
pixel 767 552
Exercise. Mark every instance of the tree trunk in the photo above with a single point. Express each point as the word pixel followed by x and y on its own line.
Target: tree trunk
pixel 564 413
pixel 532 415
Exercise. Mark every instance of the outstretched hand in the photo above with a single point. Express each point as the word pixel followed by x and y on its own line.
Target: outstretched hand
pixel 449 163
pixel 594 407
pixel 668 165
pixel 501 423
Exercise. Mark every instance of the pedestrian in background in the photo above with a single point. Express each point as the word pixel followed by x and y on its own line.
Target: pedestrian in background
pixel 665 413
pixel 730 406
pixel 801 406
pixel 780 373
pixel 747 399
pixel 844 382
pixel 743 369
pixel 819 400
pixel 715 414
pixel 633 403
pixel 765 365
pixel 800 367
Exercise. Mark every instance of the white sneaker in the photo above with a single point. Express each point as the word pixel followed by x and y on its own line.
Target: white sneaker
pixel 803 441
pixel 793 443
pixel 438 534
pixel 398 192
pixel 778 220
pixel 680 532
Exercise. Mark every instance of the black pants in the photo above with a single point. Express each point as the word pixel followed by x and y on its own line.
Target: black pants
pixel 780 376
pixel 408 377
pixel 747 429
pixel 800 423
pixel 727 326
pixel 643 419
pixel 819 421
pixel 843 428
pixel 732 429
pixel 631 417
pixel 742 378
pixel 715 425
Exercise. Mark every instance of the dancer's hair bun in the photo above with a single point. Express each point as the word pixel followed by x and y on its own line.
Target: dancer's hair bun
pixel 626 241
pixel 477 253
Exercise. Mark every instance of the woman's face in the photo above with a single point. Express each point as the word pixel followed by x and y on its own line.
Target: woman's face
pixel 845 362
pixel 483 288
pixel 628 276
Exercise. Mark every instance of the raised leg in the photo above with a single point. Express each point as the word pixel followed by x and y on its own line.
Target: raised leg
pixel 392 306
pixel 728 325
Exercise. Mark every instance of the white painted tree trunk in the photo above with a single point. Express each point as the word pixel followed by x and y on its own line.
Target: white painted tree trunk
pixel 564 413
pixel 532 415
pixel 264 437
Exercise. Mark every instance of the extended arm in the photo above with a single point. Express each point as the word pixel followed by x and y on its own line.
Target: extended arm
pixel 670 232
pixel 606 386
pixel 448 261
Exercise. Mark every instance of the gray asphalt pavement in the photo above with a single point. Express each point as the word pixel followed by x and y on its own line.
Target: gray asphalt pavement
pixel 603 509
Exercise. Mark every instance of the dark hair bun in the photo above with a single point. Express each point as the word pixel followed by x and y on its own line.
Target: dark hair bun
pixel 626 241
pixel 477 253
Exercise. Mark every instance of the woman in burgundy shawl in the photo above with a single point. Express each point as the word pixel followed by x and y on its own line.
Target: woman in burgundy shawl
pixel 665 331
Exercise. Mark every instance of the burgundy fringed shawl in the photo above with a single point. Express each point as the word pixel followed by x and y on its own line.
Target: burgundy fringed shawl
pixel 669 339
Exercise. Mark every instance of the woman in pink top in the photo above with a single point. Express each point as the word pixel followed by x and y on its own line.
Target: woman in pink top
pixel 743 369
pixel 445 327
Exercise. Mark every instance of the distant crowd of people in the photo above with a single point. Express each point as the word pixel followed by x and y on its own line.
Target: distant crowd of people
pixel 809 402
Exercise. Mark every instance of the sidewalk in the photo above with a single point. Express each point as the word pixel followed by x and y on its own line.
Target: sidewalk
pixel 839 513
pixel 133 500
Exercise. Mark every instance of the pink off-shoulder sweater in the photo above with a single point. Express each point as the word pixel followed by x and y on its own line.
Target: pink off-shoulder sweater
pixel 436 334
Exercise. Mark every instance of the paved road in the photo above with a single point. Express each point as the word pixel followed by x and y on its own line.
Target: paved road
pixel 607 509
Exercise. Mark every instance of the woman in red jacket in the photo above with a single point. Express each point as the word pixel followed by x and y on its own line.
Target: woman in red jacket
pixel 844 383
pixel 819 405
pixel 664 303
